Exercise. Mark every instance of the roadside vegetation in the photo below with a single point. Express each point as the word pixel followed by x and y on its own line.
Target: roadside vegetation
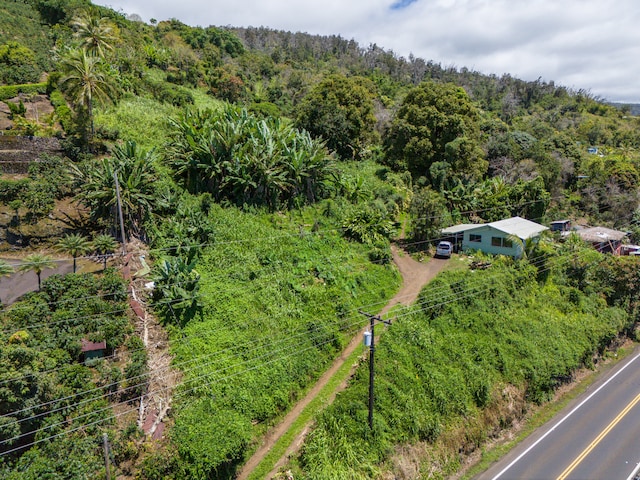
pixel 262 177
pixel 468 359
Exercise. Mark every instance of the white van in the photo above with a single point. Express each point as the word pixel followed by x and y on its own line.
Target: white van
pixel 444 249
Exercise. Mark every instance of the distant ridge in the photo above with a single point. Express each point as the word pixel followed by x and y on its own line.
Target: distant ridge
pixel 634 107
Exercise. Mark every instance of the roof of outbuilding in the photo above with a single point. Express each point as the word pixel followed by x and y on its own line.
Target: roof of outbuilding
pixel 88 346
pixel 600 234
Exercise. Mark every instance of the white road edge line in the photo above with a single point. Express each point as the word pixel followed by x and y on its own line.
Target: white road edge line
pixel 519 457
pixel 634 474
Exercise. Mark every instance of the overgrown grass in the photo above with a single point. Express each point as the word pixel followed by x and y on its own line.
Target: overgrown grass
pixel 316 405
pixel 140 119
pixel 544 414
pixel 444 363
pixel 280 302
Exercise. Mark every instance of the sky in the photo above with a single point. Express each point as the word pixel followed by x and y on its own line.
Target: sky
pixel 593 45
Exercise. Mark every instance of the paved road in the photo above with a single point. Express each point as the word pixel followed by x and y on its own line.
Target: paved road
pixel 16 285
pixel 596 437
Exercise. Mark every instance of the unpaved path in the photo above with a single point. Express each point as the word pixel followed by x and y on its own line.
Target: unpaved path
pixel 415 275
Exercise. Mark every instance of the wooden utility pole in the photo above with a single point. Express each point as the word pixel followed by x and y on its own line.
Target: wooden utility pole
pixel 370 341
pixel 124 239
pixel 105 444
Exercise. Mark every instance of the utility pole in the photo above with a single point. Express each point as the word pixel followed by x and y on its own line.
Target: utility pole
pixel 124 239
pixel 105 444
pixel 369 341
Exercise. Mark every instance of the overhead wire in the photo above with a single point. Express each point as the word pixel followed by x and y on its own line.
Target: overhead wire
pixel 14 412
pixel 41 372
pixel 49 324
pixel 456 294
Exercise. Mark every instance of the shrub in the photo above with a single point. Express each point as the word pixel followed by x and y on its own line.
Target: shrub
pixel 12 91
pixel 12 189
pixel 63 112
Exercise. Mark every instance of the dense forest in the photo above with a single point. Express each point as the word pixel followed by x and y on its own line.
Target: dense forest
pixel 257 180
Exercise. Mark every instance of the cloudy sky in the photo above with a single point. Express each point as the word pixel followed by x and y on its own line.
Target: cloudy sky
pixel 581 44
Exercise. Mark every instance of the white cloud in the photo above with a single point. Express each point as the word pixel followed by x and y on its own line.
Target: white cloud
pixel 581 44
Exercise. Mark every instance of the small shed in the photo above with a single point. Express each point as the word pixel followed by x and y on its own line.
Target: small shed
pixel 497 238
pixel 561 226
pixel 91 350
pixel 603 239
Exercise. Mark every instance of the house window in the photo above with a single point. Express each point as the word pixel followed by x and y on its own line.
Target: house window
pixel 501 242
pixel 474 237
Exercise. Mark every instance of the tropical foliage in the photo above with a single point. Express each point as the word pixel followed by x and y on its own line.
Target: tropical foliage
pixel 37 263
pixel 75 245
pixel 245 160
pixel 134 170
pixel 444 362
pixel 49 399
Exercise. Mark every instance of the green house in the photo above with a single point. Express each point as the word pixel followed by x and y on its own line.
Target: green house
pixel 504 237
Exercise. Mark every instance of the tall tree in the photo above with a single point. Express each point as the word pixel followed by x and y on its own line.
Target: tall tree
pixel 340 110
pixel 75 245
pixel 86 81
pixel 435 134
pixel 37 262
pixel 97 35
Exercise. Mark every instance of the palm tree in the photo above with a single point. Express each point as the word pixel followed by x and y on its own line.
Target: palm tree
pixel 136 171
pixel 86 81
pixel 37 262
pixel 5 269
pixel 104 245
pixel 97 35
pixel 75 245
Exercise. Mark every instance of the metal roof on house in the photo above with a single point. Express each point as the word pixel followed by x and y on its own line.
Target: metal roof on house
pixel 463 227
pixel 518 226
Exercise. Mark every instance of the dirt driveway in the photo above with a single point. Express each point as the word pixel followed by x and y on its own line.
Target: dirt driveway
pixel 415 275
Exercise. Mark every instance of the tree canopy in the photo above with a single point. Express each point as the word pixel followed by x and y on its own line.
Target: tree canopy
pixel 339 109
pixel 435 133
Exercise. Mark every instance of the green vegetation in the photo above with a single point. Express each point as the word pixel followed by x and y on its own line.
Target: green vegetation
pixel 264 175
pixel 340 110
pixel 442 363
pixel 271 298
pixel 247 161
pixel 50 399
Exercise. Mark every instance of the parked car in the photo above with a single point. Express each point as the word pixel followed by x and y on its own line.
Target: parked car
pixel 444 249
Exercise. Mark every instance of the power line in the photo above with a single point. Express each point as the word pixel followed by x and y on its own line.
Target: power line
pixel 457 295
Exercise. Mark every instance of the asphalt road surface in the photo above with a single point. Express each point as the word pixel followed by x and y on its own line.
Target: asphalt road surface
pixel 16 285
pixel 597 437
